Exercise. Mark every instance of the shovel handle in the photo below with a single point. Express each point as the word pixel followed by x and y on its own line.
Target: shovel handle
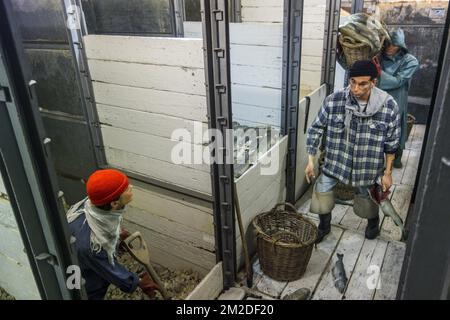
pixel 157 280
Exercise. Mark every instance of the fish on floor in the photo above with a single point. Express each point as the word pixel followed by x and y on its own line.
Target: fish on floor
pixel 339 276
pixel 300 294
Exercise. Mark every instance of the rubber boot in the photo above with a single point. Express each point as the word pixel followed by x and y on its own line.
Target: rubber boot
pixel 372 229
pixel 398 159
pixel 324 226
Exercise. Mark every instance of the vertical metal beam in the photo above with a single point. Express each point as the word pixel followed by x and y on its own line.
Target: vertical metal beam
pixel 178 10
pixel 76 29
pixel 27 167
pixel 217 70
pixel 329 43
pixel 235 11
pixel 292 49
pixel 357 6
pixel 426 268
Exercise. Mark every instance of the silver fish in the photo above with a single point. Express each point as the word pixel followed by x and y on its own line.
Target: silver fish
pixel 338 271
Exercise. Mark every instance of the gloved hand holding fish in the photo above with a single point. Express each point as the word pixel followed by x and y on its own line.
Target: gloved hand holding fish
pixel 361 37
pixel 382 199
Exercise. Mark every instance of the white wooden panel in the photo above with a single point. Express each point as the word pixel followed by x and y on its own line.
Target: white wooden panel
pixel 180 105
pixel 262 14
pixel 185 210
pixel 175 79
pixel 171 228
pixel 313 30
pixel 150 50
pixel 17 279
pixel 312 47
pixel 311 63
pixel 253 183
pixel 144 144
pixel 317 98
pixel 161 170
pixel 261 3
pixel 172 253
pixel 257 114
pixel 256 55
pixel 256 76
pixel 192 29
pixel 258 34
pixel 210 287
pixel 257 96
pixel 270 286
pixel 151 123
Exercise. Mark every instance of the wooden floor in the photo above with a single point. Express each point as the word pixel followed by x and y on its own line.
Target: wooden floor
pixel 364 259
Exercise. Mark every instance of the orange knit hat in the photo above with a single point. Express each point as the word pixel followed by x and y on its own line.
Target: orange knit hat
pixel 104 186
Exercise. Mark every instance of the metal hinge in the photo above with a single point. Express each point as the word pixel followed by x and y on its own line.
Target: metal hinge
pixel 49 258
pixel 5 95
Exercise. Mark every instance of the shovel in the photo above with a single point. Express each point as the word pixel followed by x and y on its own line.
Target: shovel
pixel 137 248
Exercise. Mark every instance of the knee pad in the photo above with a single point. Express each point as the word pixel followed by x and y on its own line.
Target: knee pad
pixel 364 207
pixel 322 202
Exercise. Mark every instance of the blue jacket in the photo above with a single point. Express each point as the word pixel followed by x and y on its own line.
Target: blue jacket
pixel 396 77
pixel 95 267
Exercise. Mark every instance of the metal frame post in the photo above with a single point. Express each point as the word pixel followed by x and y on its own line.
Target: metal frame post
pixel 292 48
pixel 426 268
pixel 235 11
pixel 217 72
pixel 329 43
pixel 72 9
pixel 27 167
pixel 357 6
pixel 178 17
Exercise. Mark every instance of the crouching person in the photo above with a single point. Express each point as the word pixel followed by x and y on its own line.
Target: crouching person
pixel 361 124
pixel 95 222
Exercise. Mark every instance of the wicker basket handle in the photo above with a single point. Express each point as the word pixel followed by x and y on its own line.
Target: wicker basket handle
pixel 285 204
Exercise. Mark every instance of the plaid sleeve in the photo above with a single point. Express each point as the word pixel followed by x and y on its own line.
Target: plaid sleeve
pixel 392 141
pixel 317 128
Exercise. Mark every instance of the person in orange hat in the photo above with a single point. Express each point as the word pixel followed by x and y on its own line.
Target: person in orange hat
pixel 95 222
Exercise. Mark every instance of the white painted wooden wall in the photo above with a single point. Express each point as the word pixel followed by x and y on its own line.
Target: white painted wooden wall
pixel 145 88
pixel 271 11
pixel 259 193
pixel 16 276
pixel 256 50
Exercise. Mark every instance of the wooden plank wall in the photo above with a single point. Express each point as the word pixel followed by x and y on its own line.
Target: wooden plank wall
pixel 145 88
pixel 258 192
pixel 16 276
pixel 256 57
pixel 271 11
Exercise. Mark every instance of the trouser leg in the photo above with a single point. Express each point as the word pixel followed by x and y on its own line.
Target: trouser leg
pixel 365 208
pixel 322 203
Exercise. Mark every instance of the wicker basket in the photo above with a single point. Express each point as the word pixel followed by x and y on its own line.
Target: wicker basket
pixel 285 242
pixel 354 52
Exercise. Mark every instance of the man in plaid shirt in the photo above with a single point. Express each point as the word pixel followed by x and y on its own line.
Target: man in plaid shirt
pixel 362 130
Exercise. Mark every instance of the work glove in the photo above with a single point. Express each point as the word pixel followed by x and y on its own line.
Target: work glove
pixel 147 285
pixel 376 62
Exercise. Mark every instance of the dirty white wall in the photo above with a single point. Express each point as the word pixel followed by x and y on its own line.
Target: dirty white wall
pixel 15 274
pixel 145 88
pixel 271 11
pixel 256 50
